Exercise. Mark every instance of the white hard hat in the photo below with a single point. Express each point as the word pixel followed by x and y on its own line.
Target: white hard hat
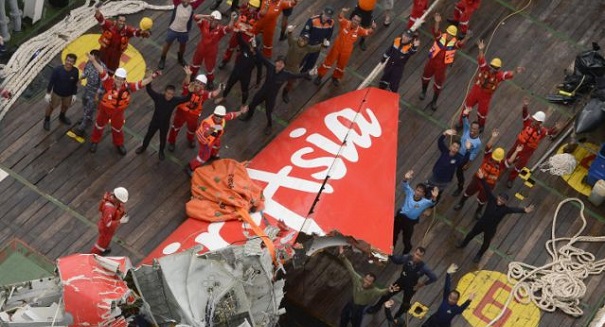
pixel 201 78
pixel 216 15
pixel 220 111
pixel 121 194
pixel 539 116
pixel 120 72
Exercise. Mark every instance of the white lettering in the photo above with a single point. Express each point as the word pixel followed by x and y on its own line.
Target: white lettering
pixel 277 210
pixel 212 239
pixel 350 134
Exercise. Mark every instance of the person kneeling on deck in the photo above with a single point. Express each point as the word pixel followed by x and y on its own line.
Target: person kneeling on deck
pixel 113 104
pixel 364 293
pixel 209 136
pixel 113 214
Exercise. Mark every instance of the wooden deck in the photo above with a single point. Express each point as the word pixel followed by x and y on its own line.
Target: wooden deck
pixel 49 197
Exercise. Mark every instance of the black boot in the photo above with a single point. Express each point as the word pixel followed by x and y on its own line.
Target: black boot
pixel 434 102
pixel 182 61
pixel 478 212
pixel 285 96
pixel 64 119
pixel 422 95
pixel 460 203
pixel 362 44
pixel 283 35
pixel 162 63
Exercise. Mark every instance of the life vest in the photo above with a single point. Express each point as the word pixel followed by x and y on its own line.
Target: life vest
pixel 109 200
pixel 531 136
pixel 404 48
pixel 448 47
pixel 107 36
pixel 205 125
pixel 488 80
pixel 491 171
pixel 194 105
pixel 117 99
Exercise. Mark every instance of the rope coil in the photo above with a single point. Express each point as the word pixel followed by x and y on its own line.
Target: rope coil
pixel 560 164
pixel 560 283
pixel 31 57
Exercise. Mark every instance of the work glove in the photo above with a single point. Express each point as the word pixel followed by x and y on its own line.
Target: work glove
pixel 313 71
pixel 47 97
pixel 384 59
pixel 326 43
pixel 74 98
pixel 290 28
pixel 452 268
pixel 124 219
pixel 253 42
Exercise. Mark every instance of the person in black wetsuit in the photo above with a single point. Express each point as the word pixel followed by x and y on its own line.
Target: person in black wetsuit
pixel 495 211
pixel 277 76
pixel 164 105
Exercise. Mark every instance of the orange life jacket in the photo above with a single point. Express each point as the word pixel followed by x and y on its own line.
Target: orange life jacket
pixel 109 199
pixel 531 136
pixel 448 47
pixel 491 171
pixel 205 125
pixel 488 80
pixel 117 99
pixel 107 36
pixel 194 105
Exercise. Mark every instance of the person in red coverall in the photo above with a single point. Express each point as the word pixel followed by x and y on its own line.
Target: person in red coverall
pixel 463 11
pixel 341 50
pixel 269 14
pixel 441 55
pixel 209 136
pixel 530 136
pixel 207 49
pixel 113 214
pixel 486 83
pixel 114 102
pixel 418 9
pixel 248 15
pixel 114 39
pixel 189 112
pixel 493 165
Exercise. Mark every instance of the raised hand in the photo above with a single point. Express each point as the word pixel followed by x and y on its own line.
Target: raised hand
pixel 408 174
pixel 481 45
pixel 452 268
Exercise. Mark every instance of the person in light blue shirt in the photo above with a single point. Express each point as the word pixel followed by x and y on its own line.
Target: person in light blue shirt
pixel 408 215
pixel 470 133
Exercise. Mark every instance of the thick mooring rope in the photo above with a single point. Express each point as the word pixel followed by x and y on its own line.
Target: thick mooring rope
pixel 560 283
pixel 31 57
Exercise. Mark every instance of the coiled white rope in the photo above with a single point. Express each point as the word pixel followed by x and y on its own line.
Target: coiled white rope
pixel 31 57
pixel 560 164
pixel 559 284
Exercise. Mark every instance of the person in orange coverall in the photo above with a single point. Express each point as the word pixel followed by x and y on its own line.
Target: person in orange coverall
pixel 114 39
pixel 113 214
pixel 341 50
pixel 530 136
pixel 269 14
pixel 207 49
pixel 209 135
pixel 248 14
pixel 486 83
pixel 365 11
pixel 441 55
pixel 113 104
pixel 189 112
pixel 463 11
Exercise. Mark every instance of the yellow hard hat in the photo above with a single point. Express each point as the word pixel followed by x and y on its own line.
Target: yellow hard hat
pixel 146 23
pixel 496 63
pixel 498 154
pixel 254 3
pixel 452 30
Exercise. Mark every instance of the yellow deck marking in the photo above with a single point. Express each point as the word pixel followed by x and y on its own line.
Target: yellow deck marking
pixel 575 179
pixel 491 290
pixel 131 60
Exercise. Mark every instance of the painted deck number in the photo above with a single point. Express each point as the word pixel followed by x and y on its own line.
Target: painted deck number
pixel 496 297
pixel 492 290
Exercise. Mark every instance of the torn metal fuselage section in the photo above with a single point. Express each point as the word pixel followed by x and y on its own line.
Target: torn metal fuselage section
pixel 228 287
